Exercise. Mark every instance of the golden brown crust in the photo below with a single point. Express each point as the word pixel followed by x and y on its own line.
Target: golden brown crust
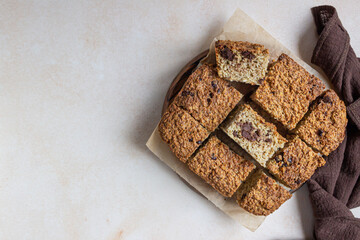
pixel 220 167
pixel 208 98
pixel 261 195
pixel 254 48
pixel 181 132
pixel 241 61
pixel 287 91
pixel 295 164
pixel 324 126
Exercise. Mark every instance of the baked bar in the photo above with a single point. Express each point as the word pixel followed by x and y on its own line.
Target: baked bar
pixel 220 167
pixel 324 126
pixel 241 61
pixel 295 164
pixel 261 195
pixel 258 137
pixel 287 91
pixel 181 132
pixel 208 98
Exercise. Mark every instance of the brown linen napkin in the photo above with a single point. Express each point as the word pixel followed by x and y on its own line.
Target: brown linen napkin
pixel 336 187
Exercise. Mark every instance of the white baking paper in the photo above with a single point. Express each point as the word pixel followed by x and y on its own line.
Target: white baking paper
pixel 240 27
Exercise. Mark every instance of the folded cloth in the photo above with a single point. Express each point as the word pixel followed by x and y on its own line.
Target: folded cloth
pixel 335 187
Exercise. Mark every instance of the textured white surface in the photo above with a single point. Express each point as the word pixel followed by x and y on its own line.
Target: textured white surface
pixel 81 88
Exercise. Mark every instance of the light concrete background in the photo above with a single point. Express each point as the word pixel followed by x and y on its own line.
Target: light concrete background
pixel 81 88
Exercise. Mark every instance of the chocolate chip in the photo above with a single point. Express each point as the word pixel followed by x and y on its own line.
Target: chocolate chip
pixel 320 132
pixel 218 91
pixel 185 93
pixel 326 99
pixel 213 84
pixel 260 81
pixel 199 142
pixel 248 55
pixel 213 156
pixel 268 140
pixel 208 100
pixel 190 140
pixel 277 159
pixel 200 79
pixel 289 160
pixel 247 126
pixel 256 135
pixel 246 131
pixel 312 87
pixel 247 135
pixel 227 53
pixel 211 95
pixel 284 164
pixel 235 134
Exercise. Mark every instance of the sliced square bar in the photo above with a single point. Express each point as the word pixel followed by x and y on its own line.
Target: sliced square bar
pixel 261 195
pixel 258 137
pixel 323 128
pixel 287 91
pixel 220 167
pixel 208 98
pixel 295 164
pixel 181 132
pixel 241 61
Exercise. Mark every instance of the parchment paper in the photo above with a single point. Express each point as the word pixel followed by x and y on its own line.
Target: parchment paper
pixel 240 27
